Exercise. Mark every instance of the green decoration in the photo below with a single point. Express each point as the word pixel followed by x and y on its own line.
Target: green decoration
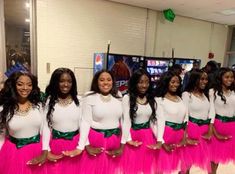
pixel 169 14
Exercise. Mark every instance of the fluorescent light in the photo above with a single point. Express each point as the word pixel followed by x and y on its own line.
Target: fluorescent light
pixel 27 5
pixel 228 12
pixel 27 20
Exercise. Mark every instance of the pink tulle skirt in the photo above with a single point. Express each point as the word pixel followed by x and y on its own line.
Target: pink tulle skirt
pixel 102 163
pixel 140 159
pixel 13 160
pixel 66 164
pixel 223 151
pixel 168 162
pixel 198 155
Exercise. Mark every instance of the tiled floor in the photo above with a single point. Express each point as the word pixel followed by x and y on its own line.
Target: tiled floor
pixel 223 169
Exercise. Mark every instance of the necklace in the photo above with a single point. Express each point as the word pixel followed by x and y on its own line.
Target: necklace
pixel 105 98
pixel 65 102
pixel 141 101
pixel 200 96
pixel 24 112
pixel 173 98
pixel 227 93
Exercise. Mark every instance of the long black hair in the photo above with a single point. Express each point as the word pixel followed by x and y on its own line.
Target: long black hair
pixel 95 87
pixel 194 80
pixel 218 84
pixel 9 97
pixel 133 93
pixel 163 84
pixel 53 90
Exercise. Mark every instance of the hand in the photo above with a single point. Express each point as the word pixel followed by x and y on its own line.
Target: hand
pixel 134 143
pixel 158 145
pixel 207 136
pixel 183 143
pixel 52 157
pixel 192 142
pixel 94 150
pixel 39 160
pixel 72 153
pixel 220 136
pixel 116 152
pixel 169 147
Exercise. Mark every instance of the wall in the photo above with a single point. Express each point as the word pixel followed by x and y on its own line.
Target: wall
pixel 70 31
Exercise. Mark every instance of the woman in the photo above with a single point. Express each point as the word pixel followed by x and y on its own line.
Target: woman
pixel 63 113
pixel 222 99
pixel 195 98
pixel 169 97
pixel 141 116
pixel 22 122
pixel 100 127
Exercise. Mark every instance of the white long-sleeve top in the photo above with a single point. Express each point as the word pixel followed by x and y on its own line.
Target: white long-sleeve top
pixel 64 119
pixel 99 114
pixel 143 115
pixel 197 107
pixel 25 126
pixel 175 112
pixel 217 106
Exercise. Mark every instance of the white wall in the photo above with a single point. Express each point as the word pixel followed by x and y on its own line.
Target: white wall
pixel 70 31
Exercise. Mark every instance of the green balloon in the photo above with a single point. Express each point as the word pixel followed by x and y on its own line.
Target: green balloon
pixel 169 15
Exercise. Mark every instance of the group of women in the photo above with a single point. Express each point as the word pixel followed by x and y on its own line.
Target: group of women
pixel 144 132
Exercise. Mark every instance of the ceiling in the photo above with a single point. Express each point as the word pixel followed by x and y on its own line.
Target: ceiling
pixel 208 10
pixel 16 13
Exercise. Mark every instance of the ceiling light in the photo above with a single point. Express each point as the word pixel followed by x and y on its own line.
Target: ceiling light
pixel 27 20
pixel 27 5
pixel 228 12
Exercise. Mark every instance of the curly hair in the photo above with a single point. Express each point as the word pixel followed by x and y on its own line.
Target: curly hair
pixel 219 82
pixel 53 90
pixel 133 93
pixel 95 88
pixel 163 84
pixel 9 97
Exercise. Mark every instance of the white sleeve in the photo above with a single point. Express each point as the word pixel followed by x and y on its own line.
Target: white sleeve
pixel 160 123
pixel 85 125
pixel 126 121
pixel 45 131
pixel 212 105
pixel 186 98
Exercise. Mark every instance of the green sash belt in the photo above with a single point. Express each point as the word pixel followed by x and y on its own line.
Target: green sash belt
pixel 224 118
pixel 21 142
pixel 64 135
pixel 145 125
pixel 109 132
pixel 200 122
pixel 176 126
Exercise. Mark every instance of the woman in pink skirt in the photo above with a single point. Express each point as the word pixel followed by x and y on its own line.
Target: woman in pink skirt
pixel 100 132
pixel 21 124
pixel 222 99
pixel 141 116
pixel 168 92
pixel 196 99
pixel 63 111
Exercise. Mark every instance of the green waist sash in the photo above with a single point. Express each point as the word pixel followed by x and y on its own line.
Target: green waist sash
pixel 145 125
pixel 199 122
pixel 109 132
pixel 64 135
pixel 21 142
pixel 176 126
pixel 224 118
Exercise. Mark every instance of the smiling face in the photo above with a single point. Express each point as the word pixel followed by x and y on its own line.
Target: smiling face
pixel 65 83
pixel 202 81
pixel 143 84
pixel 174 84
pixel 105 83
pixel 24 86
pixel 227 79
